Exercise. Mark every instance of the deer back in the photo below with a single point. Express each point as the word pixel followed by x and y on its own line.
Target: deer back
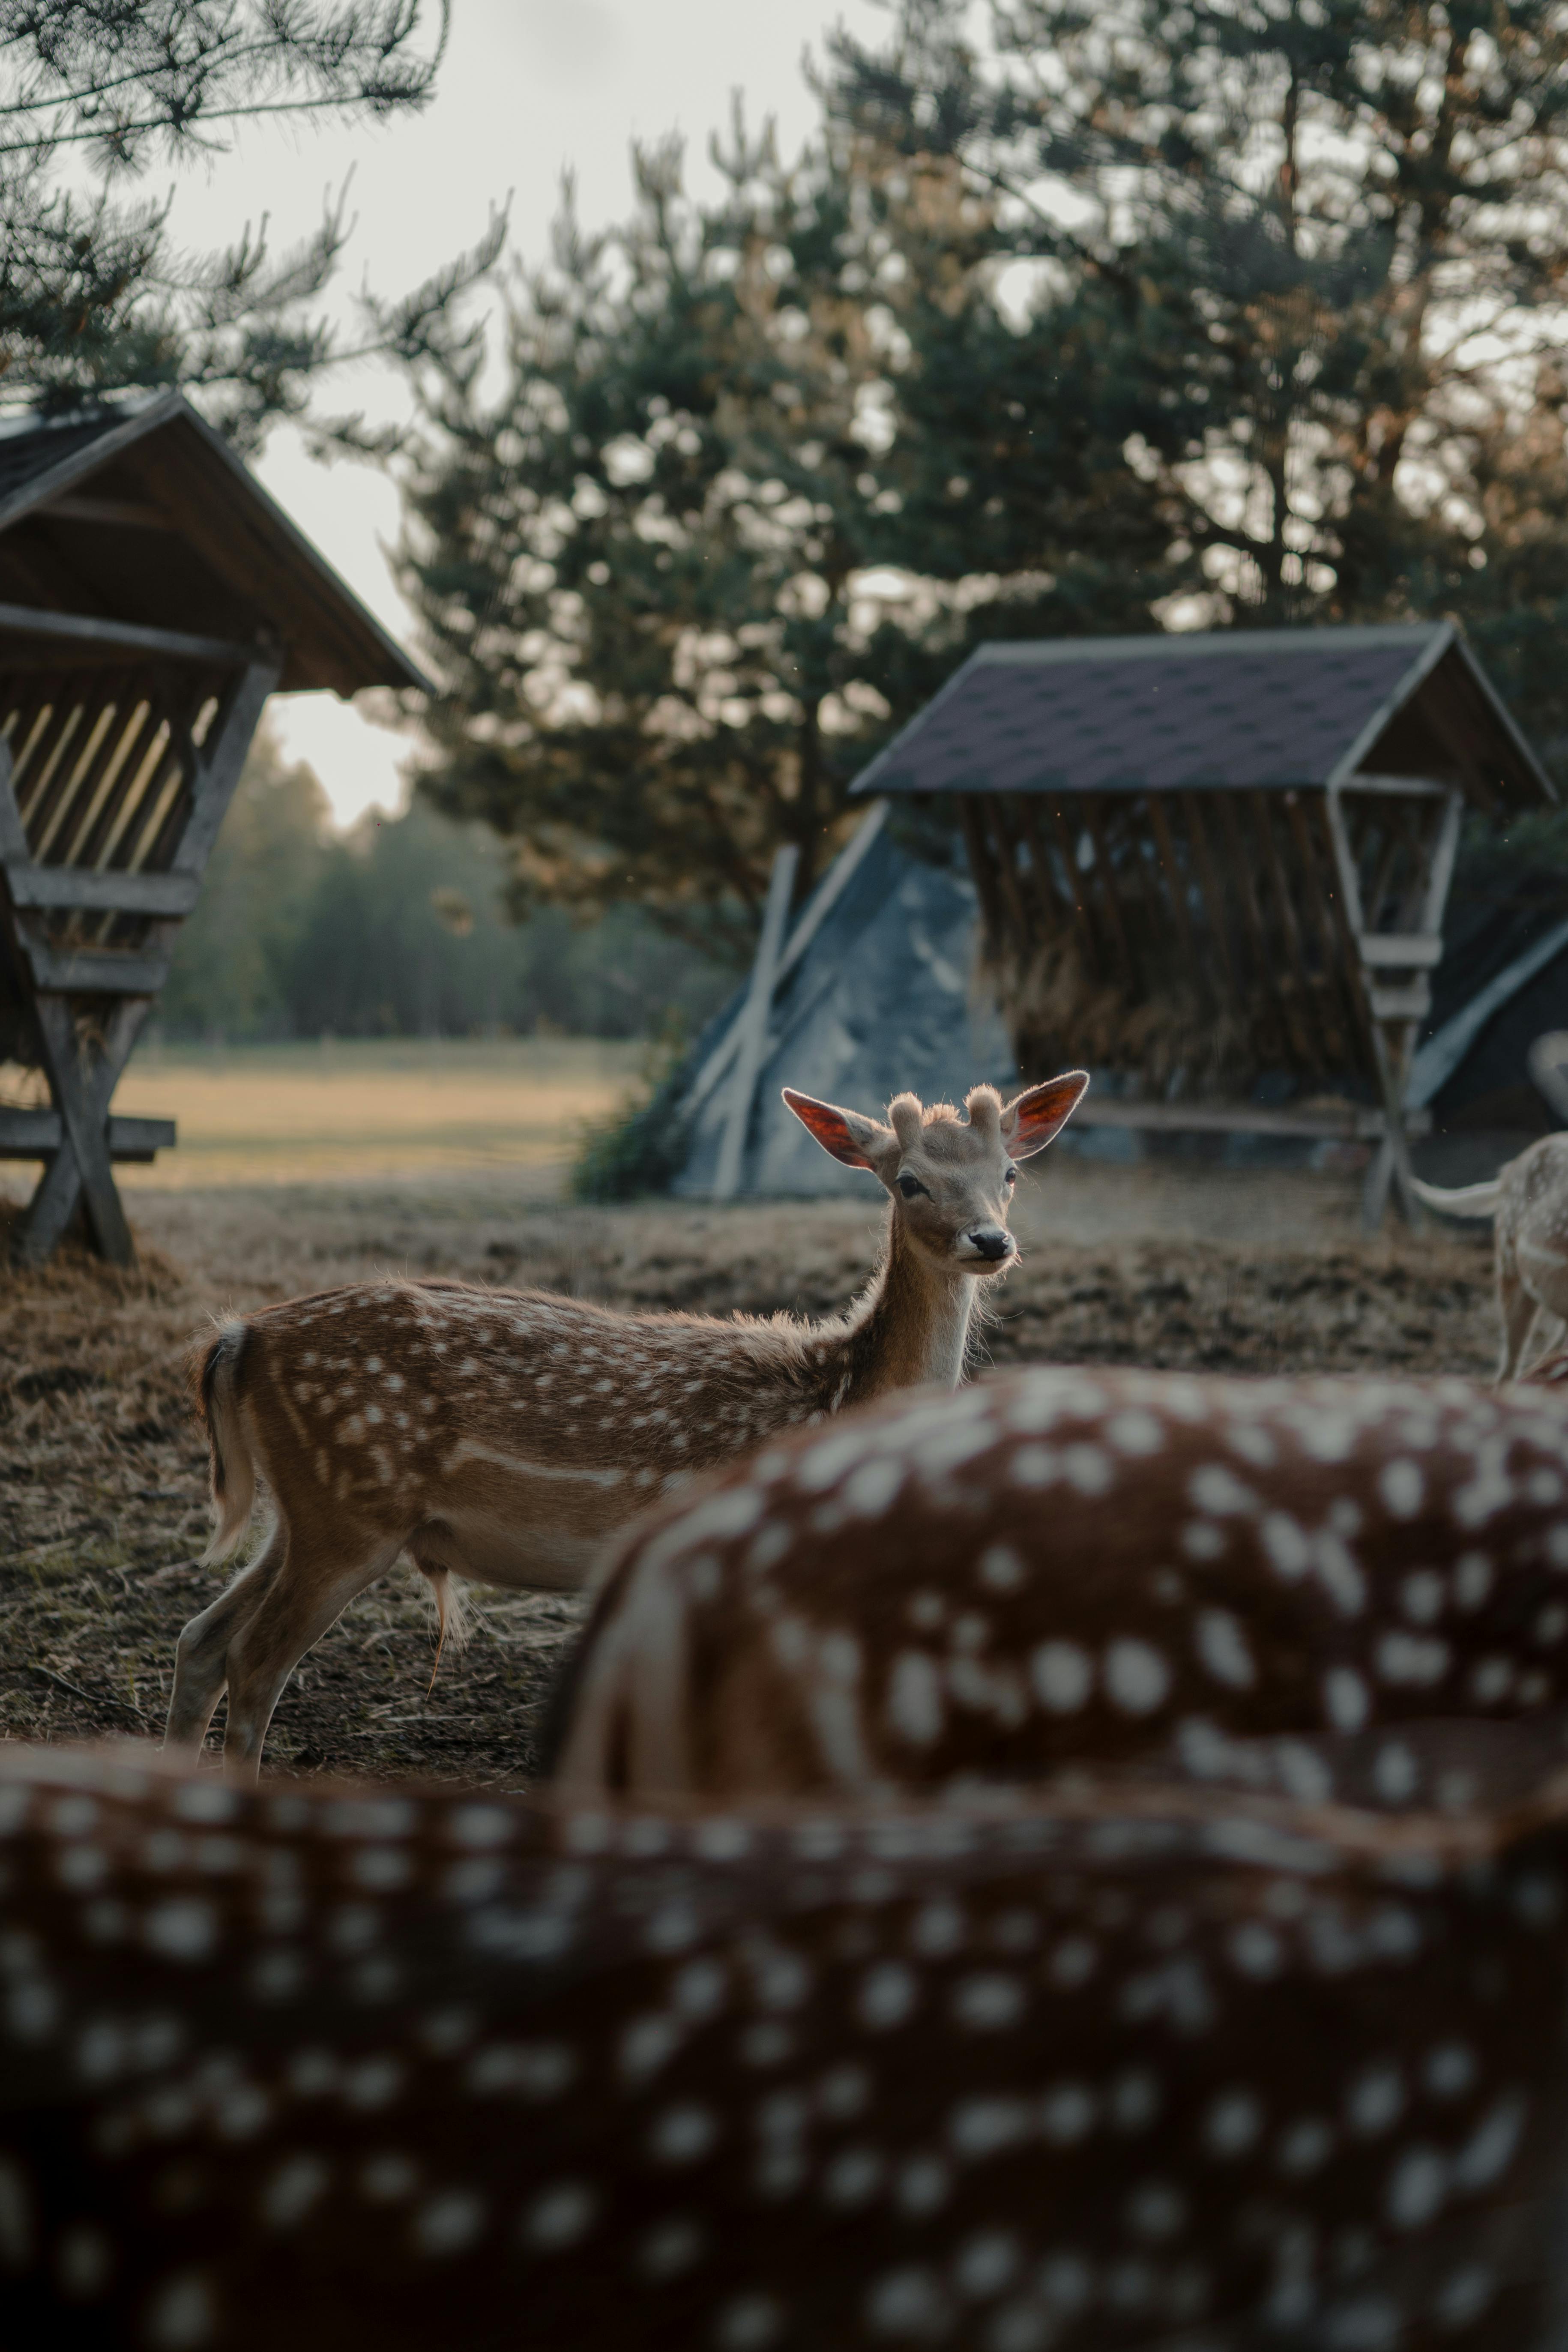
pixel 1093 2068
pixel 1062 1567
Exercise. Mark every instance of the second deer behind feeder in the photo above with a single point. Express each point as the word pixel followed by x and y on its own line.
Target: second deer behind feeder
pixel 502 1435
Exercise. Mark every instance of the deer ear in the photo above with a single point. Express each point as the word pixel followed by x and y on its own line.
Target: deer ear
pixel 1038 1115
pixel 844 1133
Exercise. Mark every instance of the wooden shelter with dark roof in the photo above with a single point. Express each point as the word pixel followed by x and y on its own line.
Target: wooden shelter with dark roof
pixel 1206 857
pixel 152 596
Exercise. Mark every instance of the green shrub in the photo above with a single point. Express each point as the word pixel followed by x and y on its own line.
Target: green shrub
pixel 642 1148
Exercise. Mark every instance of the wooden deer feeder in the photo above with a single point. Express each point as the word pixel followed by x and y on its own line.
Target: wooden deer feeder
pixel 152 597
pixel 1205 858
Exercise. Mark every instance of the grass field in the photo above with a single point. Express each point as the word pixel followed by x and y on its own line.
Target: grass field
pixel 365 1110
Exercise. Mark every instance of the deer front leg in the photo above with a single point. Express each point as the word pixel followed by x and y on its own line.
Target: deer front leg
pixel 307 1596
pixel 201 1654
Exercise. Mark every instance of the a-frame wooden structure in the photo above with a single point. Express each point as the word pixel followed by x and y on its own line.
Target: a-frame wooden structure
pixel 1246 835
pixel 152 597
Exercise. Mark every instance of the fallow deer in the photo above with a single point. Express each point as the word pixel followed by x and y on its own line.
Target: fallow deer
pixel 1067 1566
pixel 502 1435
pixel 1101 2067
pixel 1528 1203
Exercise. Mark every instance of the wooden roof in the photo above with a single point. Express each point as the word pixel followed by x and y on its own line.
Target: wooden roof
pixel 1235 709
pixel 138 524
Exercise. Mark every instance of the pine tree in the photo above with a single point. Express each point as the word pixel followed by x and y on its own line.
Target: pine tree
pixel 94 298
pixel 1314 256
pixel 641 561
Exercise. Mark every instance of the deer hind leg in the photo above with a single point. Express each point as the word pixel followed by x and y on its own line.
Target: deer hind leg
pixel 316 1581
pixel 1518 1311
pixel 201 1654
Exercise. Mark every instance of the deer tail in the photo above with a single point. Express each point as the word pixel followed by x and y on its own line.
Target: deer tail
pixel 1469 1201
pixel 215 1376
pixel 451 1617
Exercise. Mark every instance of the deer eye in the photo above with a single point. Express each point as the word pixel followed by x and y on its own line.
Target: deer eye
pixel 909 1185
pixel 1011 1177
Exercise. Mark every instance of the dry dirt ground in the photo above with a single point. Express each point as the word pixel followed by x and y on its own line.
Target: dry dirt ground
pixel 103 1474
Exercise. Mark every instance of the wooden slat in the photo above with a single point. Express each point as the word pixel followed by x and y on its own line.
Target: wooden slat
pixel 1089 931
pixel 1175 886
pixel 1109 902
pixel 1008 880
pixel 983 872
pixel 1302 1000
pixel 1243 882
pixel 1317 871
pixel 1209 890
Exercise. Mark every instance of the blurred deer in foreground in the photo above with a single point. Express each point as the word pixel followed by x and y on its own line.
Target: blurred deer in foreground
pixel 1066 1566
pixel 1097 2068
pixel 1528 1203
pixel 502 1435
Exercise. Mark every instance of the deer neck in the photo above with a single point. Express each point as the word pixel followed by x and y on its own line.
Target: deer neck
pixel 912 1326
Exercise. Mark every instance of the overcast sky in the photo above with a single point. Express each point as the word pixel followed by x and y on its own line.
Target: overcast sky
pixel 530 88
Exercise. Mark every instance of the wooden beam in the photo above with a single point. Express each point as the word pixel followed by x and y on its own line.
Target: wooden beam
pixel 36 1135
pixel 62 1185
pixel 1353 1124
pixel 132 514
pixel 93 635
pixel 220 759
pixel 74 891
pixel 1394 787
pixel 755 1023
pixel 82 1082
pixel 93 972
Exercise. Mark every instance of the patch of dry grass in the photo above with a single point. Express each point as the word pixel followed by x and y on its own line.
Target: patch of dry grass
pixel 362 1112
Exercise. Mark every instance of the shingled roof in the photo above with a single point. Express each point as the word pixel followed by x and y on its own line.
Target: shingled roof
pixel 141 515
pixel 1239 710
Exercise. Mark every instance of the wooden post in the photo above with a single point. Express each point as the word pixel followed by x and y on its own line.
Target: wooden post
pixel 1394 965
pixel 822 900
pixel 754 1025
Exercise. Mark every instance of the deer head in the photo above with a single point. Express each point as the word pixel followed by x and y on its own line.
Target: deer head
pixel 949 1179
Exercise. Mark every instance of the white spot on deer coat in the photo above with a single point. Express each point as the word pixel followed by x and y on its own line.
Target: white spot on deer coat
pixel 1402 1489
pixel 1418 1658
pixel 1136 1676
pixel 914 1698
pixel 1062 1675
pixel 1222 1647
pixel 1346 1699
pixel 1218 1492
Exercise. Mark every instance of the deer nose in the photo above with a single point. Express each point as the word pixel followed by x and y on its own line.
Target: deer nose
pixel 991 1241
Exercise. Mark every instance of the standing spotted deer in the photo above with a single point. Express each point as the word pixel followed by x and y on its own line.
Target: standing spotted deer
pixel 1527 1202
pixel 1065 1568
pixel 502 1435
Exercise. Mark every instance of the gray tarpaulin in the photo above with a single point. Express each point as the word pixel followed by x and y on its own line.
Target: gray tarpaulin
pixel 882 1000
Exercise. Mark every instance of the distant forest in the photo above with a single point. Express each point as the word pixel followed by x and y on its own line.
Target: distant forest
pixel 400 929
